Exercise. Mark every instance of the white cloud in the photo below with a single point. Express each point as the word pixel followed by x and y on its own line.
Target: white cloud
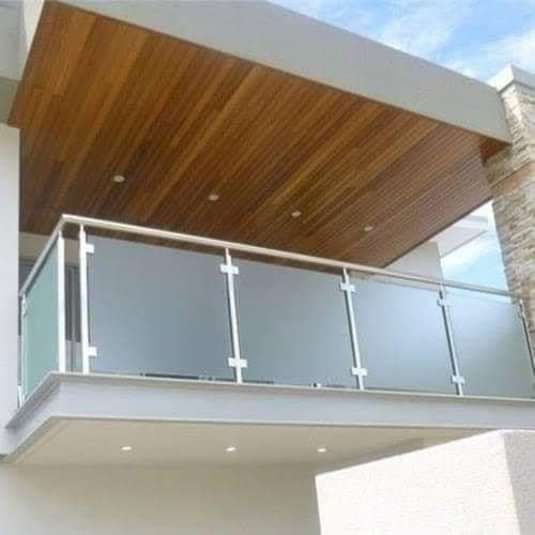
pixel 424 27
pixel 429 28
pixel 347 14
pixel 491 58
pixel 518 49
pixel 420 27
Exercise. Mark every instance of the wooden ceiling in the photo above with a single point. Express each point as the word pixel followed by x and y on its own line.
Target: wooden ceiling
pixel 100 97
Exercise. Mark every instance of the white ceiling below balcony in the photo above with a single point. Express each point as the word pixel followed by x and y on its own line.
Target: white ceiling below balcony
pixel 96 442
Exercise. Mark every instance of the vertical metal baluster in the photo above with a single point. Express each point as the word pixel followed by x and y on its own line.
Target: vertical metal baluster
pixel 60 249
pixel 525 326
pixel 457 379
pixel 236 361
pixel 22 371
pixel 87 350
pixel 72 317
pixel 357 370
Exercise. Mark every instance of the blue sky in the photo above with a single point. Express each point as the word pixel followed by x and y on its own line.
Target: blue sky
pixel 480 261
pixel 475 37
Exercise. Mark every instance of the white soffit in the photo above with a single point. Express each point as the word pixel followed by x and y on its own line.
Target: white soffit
pixel 93 442
pixel 271 35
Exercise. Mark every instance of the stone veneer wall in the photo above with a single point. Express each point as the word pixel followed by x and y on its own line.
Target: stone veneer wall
pixel 511 176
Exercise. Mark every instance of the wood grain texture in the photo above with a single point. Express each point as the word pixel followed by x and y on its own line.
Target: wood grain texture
pixel 100 97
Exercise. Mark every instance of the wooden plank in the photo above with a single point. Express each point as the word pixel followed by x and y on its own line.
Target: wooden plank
pixel 100 97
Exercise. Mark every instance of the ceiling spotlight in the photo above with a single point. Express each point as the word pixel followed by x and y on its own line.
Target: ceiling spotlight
pixel 368 228
pixel 231 449
pixel 213 197
pixel 126 448
pixel 323 449
pixel 296 213
pixel 119 179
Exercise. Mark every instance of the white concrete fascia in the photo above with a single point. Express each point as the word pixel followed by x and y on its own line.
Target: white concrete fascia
pixel 131 398
pixel 270 35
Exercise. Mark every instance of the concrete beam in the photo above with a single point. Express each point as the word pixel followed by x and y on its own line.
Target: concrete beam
pixel 131 398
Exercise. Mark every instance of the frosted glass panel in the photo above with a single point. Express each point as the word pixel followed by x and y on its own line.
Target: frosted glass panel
pixel 40 325
pixel 402 337
pixel 491 346
pixel 293 325
pixel 158 311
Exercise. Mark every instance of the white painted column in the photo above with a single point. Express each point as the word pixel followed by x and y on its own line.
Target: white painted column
pixel 9 247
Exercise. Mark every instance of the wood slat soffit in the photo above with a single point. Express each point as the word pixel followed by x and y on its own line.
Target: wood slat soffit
pixel 100 98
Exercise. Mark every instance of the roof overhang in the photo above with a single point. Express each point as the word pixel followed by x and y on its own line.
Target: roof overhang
pixel 265 33
pixel 273 111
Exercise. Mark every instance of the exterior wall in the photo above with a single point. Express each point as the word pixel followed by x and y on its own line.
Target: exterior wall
pixel 31 246
pixel 9 39
pixel 463 487
pixel 9 243
pixel 194 500
pixel 30 11
pixel 424 260
pixel 521 463
pixel 511 176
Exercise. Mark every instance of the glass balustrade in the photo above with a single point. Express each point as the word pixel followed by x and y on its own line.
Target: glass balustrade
pixel 219 314
pixel 402 336
pixel 293 326
pixel 39 324
pixel 491 345
pixel 157 311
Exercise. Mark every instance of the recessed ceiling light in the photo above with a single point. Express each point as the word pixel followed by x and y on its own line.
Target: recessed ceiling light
pixel 213 197
pixel 323 449
pixel 368 228
pixel 126 448
pixel 296 213
pixel 119 179
pixel 231 449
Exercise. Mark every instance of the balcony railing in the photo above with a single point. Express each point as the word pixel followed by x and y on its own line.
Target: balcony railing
pixel 188 307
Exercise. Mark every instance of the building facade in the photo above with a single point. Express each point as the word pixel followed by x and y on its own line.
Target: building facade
pixel 205 296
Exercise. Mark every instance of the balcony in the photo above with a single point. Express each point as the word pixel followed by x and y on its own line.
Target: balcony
pixel 157 325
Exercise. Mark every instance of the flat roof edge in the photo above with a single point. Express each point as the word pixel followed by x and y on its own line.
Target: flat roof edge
pixel 276 37
pixel 510 75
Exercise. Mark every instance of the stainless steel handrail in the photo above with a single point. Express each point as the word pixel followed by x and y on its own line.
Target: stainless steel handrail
pixel 115 226
pixel 41 258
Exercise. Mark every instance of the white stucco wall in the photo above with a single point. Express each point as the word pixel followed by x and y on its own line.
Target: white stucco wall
pixel 30 12
pixel 424 261
pixel 163 501
pixel 463 487
pixel 520 450
pixel 9 39
pixel 9 245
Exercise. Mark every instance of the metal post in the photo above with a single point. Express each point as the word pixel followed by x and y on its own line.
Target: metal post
pixel 60 248
pixel 87 351
pixel 72 317
pixel 236 362
pixel 457 379
pixel 527 334
pixel 22 348
pixel 357 370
